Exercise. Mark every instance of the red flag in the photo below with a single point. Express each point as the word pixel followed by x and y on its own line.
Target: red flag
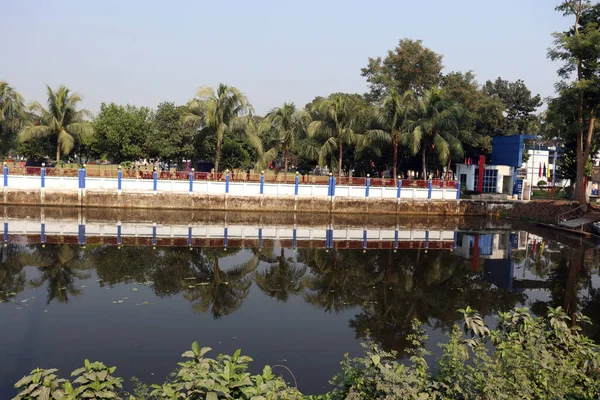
pixel 465 160
pixel 540 173
pixel 534 246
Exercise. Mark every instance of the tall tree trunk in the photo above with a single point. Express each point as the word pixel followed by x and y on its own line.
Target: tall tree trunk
pixel 580 189
pixel 340 161
pixel 217 157
pixel 285 161
pixel 395 162
pixel 57 153
pixel 423 161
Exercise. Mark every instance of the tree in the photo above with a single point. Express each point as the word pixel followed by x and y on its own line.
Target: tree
pixel 410 66
pixel 338 120
pixel 519 104
pixel 482 114
pixel 170 138
pixel 287 124
pixel 393 118
pixel 436 120
pixel 225 111
pixel 12 116
pixel 579 50
pixel 122 131
pixel 61 121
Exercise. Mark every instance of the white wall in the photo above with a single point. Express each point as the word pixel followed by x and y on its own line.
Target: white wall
pixel 22 182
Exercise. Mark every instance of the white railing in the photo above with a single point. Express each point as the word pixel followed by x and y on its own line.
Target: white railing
pixel 25 182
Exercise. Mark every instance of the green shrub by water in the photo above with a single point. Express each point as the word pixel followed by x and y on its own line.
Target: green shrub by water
pixel 524 358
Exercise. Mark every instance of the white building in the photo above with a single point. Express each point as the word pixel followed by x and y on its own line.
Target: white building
pixel 496 179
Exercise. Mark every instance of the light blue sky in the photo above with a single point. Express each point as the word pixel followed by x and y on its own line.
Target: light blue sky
pixel 147 51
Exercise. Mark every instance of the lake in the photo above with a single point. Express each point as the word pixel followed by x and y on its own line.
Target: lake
pixel 134 289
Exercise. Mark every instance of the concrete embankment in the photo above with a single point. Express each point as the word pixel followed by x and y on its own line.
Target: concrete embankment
pixel 182 201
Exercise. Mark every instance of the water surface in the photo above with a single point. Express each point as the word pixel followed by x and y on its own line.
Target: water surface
pixel 135 292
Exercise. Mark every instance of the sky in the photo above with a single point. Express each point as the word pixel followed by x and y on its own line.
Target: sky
pixel 144 52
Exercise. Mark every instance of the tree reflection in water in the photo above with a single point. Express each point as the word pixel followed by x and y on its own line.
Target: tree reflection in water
pixel 386 290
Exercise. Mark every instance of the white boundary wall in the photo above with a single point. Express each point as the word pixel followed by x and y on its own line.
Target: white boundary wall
pixel 24 182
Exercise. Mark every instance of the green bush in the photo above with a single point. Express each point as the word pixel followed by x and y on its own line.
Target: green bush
pixel 542 183
pixel 524 358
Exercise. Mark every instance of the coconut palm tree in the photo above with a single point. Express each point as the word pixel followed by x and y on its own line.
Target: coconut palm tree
pixel 222 112
pixel 393 119
pixel 11 114
pixel 11 104
pixel 61 121
pixel 288 124
pixel 436 122
pixel 338 118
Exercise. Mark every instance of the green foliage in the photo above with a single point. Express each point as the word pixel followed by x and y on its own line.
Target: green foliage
pixel 61 121
pixel 410 66
pixel 12 117
pixel 338 120
pixel 519 104
pixel 284 126
pixel 435 125
pixel 170 138
pixel 220 113
pixel 122 131
pixel 94 381
pixel 482 114
pixel 223 378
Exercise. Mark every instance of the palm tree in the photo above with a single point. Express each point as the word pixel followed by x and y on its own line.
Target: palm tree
pixel 11 104
pixel 338 118
pixel 288 124
pixel 222 112
pixel 393 118
pixel 61 120
pixel 11 114
pixel 436 120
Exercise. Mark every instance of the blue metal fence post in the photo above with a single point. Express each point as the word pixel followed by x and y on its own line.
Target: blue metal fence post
pixel 155 176
pixel 5 175
pixel 43 175
pixel 260 238
pixel 190 240
pixel 191 181
pixel 333 183
pixel 329 185
pixel 399 189
pixel 119 234
pixel 82 234
pixel 43 234
pixel 364 240
pixel 430 186
pixel 225 238
pixel 154 235
pixel 5 233
pixel 294 239
pixel 455 240
pixel 368 183
pixel 296 185
pixel 119 179
pixel 426 240
pixel 83 175
pixel 226 181
pixel 458 191
pixel 262 182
